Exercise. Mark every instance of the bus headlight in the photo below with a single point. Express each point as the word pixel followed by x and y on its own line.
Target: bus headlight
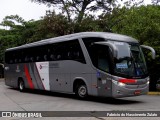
pixel 121 84
pixel 148 80
pixel 118 83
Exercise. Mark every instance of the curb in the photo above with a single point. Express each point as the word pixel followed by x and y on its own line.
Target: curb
pixel 153 93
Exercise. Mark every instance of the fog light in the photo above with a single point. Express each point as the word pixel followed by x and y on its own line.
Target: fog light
pixel 118 91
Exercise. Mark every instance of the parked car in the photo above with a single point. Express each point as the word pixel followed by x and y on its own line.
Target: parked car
pixel 158 85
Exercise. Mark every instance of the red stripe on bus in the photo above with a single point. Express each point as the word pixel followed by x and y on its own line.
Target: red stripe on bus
pixel 127 80
pixel 39 76
pixel 28 77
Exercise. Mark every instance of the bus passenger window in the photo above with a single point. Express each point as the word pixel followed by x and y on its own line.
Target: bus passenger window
pixel 32 59
pixel 75 52
pixel 11 61
pixel 52 57
pixel 15 60
pixel 38 58
pixel 103 64
pixel 100 57
pixel 45 57
pixel 20 61
pixel 59 57
pixel 76 55
pixel 69 55
pixel 26 59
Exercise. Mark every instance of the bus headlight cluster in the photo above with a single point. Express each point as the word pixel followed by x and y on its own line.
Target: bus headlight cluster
pixel 121 84
pixel 118 83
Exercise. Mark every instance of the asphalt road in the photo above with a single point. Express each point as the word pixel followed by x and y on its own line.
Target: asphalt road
pixel 13 100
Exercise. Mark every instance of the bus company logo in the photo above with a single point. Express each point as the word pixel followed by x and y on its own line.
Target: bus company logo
pixel 40 66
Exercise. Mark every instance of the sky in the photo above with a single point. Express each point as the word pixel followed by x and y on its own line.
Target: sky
pixel 25 9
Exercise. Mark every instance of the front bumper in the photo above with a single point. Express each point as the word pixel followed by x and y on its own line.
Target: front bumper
pixel 128 91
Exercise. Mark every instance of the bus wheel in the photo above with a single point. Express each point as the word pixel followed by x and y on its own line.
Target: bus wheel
pixel 21 86
pixel 81 91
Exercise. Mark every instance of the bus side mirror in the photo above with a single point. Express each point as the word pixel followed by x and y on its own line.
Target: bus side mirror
pixel 151 49
pixel 111 45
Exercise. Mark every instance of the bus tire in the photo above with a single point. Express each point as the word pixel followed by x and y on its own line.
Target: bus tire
pixel 21 86
pixel 81 91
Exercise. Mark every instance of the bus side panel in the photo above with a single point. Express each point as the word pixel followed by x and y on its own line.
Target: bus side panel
pixel 35 78
pixel 8 75
pixel 63 73
pixel 59 76
pixel 83 72
pixel 94 87
pixel 104 84
pixel 41 74
pixel 33 74
pixel 105 89
pixel 11 73
pixel 101 84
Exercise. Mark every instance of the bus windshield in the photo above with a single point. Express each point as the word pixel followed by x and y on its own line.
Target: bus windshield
pixel 130 62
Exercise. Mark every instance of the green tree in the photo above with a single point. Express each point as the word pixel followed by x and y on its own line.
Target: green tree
pixel 155 2
pixel 52 25
pixel 79 7
pixel 17 32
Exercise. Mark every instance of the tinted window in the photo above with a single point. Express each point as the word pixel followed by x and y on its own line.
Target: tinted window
pixel 100 57
pixel 99 54
pixel 13 57
pixel 89 41
pixel 69 50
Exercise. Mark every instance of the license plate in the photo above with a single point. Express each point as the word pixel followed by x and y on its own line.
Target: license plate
pixel 137 92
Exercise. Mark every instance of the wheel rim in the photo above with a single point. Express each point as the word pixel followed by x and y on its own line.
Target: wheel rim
pixel 21 85
pixel 82 91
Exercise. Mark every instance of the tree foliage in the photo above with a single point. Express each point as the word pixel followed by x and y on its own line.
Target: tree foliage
pixel 79 7
pixel 155 2
pixel 16 32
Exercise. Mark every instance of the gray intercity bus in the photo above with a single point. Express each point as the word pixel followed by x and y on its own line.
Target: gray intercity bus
pixel 87 63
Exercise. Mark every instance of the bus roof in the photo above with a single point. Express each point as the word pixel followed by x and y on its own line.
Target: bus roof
pixel 106 35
